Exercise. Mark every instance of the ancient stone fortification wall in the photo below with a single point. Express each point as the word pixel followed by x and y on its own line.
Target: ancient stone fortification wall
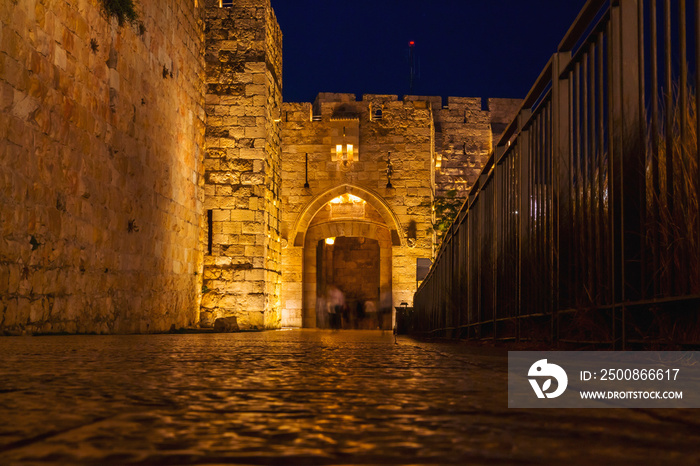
pixel 100 135
pixel 464 136
pixel 244 93
pixel 405 130
pixel 434 149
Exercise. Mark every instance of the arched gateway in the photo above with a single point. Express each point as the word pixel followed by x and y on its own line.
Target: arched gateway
pixel 347 234
pixel 366 184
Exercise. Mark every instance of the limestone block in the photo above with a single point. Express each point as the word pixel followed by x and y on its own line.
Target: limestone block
pixel 252 178
pixel 226 324
pixel 251 320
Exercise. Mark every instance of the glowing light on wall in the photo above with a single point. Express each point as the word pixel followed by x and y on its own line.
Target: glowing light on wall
pixel 330 241
pixel 347 155
pixel 347 198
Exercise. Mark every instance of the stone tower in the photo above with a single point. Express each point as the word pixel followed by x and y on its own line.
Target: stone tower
pixel 242 164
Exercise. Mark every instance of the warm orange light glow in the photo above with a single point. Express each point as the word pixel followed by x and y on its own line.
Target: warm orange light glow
pixel 339 149
pixel 346 198
pixel 330 241
pixel 350 152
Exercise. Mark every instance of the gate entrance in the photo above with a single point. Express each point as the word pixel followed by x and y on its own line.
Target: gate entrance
pixel 348 284
pixel 347 267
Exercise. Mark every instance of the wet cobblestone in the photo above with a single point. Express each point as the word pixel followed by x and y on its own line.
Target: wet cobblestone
pixel 298 397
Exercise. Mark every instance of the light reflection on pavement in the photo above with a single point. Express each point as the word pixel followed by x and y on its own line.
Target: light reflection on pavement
pixel 298 397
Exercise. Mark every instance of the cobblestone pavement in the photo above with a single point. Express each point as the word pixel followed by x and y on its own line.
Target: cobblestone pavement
pixel 298 397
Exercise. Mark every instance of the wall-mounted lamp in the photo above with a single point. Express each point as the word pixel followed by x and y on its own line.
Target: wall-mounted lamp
pixel 389 170
pixel 306 179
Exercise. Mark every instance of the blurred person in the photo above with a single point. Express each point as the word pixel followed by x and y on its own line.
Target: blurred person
pixel 336 303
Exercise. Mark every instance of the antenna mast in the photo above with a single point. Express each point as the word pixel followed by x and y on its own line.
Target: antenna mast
pixel 412 65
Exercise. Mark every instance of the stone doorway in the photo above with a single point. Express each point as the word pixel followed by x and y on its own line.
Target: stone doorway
pixel 348 255
pixel 348 283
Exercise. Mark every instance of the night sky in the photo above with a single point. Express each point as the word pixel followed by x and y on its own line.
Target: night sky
pixel 469 48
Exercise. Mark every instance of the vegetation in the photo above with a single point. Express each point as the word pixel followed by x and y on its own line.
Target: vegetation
pixel 445 209
pixel 123 10
pixel 674 226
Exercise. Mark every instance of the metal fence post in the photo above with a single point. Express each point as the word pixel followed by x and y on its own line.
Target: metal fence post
pixel 627 160
pixel 561 160
pixel 523 215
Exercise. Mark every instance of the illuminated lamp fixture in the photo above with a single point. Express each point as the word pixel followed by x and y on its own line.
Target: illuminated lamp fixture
pixel 389 170
pixel 330 241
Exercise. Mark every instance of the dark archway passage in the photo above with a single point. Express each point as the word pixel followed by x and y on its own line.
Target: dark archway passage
pixel 348 283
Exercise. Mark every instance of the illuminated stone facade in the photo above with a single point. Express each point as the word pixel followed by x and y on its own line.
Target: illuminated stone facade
pixel 101 146
pixel 423 143
pixel 244 94
pixel 153 178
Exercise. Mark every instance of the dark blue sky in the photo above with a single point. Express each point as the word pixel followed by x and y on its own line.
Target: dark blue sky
pixel 470 48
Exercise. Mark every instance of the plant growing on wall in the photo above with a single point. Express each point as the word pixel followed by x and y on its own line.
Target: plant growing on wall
pixel 123 10
pixel 445 208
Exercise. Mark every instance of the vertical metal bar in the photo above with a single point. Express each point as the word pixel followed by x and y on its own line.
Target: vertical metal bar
pixel 585 178
pixel 550 224
pixel 682 110
pixel 600 133
pixel 656 189
pixel 532 262
pixel 576 258
pixel 580 189
pixel 516 235
pixel 543 192
pixel 492 259
pixel 479 264
pixel 668 98
pixel 594 193
pixel 546 210
pixel 632 157
pixel 697 140
pixel 614 112
pixel 561 168
pixel 535 262
pixel 523 217
pixel 542 282
pixel 642 137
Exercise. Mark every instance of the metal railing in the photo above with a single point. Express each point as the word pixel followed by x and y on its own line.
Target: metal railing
pixel 584 225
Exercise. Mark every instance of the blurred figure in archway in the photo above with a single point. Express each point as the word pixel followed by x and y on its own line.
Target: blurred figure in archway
pixel 336 304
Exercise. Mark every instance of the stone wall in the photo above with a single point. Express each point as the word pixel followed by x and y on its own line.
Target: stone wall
pixel 501 113
pixel 242 163
pixel 355 268
pixel 101 130
pixel 312 132
pixel 465 134
pixel 433 149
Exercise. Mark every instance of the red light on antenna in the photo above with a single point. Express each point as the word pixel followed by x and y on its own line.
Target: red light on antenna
pixel 411 43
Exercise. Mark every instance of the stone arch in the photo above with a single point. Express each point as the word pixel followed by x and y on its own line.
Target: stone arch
pixel 352 228
pixel 375 200
pixel 361 228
